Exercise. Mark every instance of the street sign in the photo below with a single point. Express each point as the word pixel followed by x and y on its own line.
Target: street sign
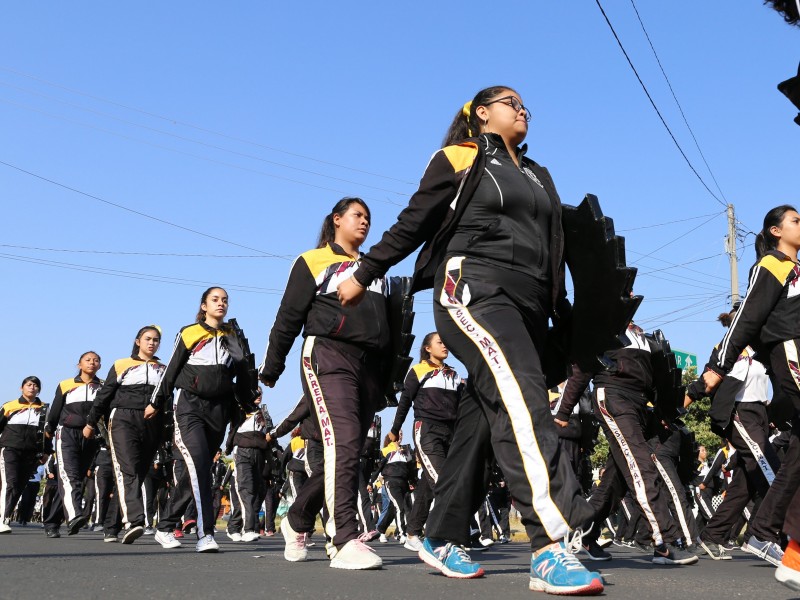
pixel 684 360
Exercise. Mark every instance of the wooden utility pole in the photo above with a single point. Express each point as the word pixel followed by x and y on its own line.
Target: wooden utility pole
pixel 730 248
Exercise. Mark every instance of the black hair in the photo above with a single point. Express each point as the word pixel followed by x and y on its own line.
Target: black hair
pixel 426 341
pixel 467 126
pixel 201 314
pixel 787 8
pixel 135 351
pixel 327 232
pixel 765 241
pixel 84 354
pixel 34 379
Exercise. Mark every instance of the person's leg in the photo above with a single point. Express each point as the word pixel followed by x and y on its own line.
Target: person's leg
pixel 125 437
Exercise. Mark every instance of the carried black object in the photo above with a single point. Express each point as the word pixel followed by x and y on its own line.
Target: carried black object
pixel 400 309
pixel 247 388
pixel 791 89
pixel 687 459
pixel 43 443
pixel 603 303
pixel 667 377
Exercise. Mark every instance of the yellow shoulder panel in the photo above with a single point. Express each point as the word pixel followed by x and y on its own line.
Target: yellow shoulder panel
pixel 461 156
pixel 779 268
pixel 319 259
pixel 421 369
pixel 193 334
pixel 123 364
pixel 68 385
pixel 297 443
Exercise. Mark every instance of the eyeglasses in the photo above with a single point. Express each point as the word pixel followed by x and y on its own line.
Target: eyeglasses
pixel 514 103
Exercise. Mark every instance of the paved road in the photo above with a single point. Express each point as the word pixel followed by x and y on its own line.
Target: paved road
pixel 82 566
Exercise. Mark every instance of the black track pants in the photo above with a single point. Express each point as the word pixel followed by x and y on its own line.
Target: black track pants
pixel 675 492
pixel 341 385
pixel 134 442
pixel 398 490
pixel 432 442
pixel 104 488
pixel 494 321
pixel 75 454
pixel 755 469
pixel 180 497
pixel 199 431
pixel 247 483
pixel 52 506
pixel 623 416
pixel 16 468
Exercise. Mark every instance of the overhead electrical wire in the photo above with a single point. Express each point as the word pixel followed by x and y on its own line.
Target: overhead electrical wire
pixel 675 97
pixel 127 253
pixel 175 121
pixel 197 156
pixel 137 212
pixel 180 137
pixel 665 223
pixel 655 107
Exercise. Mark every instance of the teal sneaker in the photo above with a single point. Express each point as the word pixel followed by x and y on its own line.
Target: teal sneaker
pixel 557 571
pixel 449 559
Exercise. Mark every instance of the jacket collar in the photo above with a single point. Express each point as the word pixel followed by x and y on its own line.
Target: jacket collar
pixel 78 379
pixel 337 249
pixel 35 402
pixel 495 140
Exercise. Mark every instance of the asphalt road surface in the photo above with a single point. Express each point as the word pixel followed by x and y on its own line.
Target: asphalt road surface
pixel 83 567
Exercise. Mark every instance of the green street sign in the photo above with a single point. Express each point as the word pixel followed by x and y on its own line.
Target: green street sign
pixel 684 360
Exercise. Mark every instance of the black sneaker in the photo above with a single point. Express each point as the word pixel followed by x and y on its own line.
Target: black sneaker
pixel 76 524
pixel 672 555
pixel 594 552
pixel 641 546
pixel 52 533
pixel 132 534
pixel 714 550
pixel 111 538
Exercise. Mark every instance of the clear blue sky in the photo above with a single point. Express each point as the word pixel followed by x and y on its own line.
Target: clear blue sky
pixel 247 121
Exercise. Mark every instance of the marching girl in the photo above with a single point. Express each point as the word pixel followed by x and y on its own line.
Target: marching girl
pixel 67 418
pixel 432 387
pixel 20 422
pixel 490 222
pixel 767 321
pixel 133 440
pixel 341 367
pixel 201 371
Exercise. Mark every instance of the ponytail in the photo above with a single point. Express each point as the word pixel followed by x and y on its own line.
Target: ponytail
pixel 327 232
pixel 426 341
pixel 466 123
pixel 765 241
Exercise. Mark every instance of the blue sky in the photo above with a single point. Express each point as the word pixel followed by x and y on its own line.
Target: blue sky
pixel 247 121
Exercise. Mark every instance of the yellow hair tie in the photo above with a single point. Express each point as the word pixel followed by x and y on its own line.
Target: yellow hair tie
pixel 465 111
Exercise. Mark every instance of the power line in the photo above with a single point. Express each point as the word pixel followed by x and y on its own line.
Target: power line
pixel 174 121
pixel 652 102
pixel 197 156
pixel 665 223
pixel 680 108
pixel 135 275
pixel 180 137
pixel 677 238
pixel 136 212
pixel 122 253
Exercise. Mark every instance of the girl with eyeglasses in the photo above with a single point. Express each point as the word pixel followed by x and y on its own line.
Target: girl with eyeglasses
pixel 489 222
pixel 133 440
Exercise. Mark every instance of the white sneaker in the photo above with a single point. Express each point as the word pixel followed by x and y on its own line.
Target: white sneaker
pixel 382 539
pixel 167 539
pixel 402 539
pixel 207 543
pixel 235 536
pixel 486 542
pixel 295 550
pixel 355 555
pixel 330 549
pixel 249 536
pixel 413 543
pixel 5 527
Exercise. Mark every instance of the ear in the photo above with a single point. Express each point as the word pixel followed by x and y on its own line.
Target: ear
pixel 336 219
pixel 482 113
pixel 775 231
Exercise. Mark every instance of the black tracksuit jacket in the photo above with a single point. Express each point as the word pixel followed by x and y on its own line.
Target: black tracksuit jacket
pixel 72 403
pixel 130 384
pixel 434 393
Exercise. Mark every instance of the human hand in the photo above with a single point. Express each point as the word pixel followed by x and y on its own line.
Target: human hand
pixel 88 432
pixel 150 411
pixel 350 292
pixel 561 423
pixel 712 381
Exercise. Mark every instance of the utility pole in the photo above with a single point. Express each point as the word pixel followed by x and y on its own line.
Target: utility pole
pixel 730 248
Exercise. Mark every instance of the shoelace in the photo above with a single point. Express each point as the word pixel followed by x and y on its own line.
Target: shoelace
pixel 575 542
pixel 460 552
pixel 566 558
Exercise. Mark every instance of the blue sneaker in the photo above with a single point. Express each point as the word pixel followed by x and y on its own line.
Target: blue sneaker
pixel 557 571
pixel 449 559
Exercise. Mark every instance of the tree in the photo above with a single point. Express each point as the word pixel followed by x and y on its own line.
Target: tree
pixel 697 419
